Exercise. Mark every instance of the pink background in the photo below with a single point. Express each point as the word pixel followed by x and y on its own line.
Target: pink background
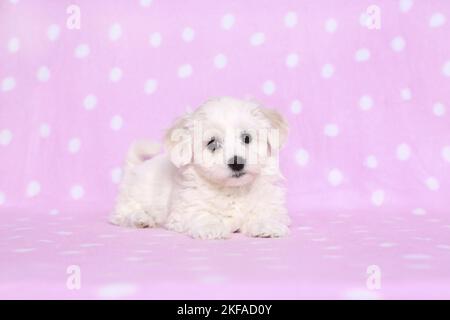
pixel 367 162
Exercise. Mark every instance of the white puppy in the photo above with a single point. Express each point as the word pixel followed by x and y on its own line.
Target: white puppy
pixel 219 175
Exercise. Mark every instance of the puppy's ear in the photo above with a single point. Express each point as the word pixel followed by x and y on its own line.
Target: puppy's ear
pixel 178 142
pixel 278 136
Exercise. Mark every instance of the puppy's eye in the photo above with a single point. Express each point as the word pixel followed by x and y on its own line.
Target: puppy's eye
pixel 213 144
pixel 246 138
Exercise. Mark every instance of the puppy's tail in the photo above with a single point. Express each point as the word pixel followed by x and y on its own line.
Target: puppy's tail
pixel 140 151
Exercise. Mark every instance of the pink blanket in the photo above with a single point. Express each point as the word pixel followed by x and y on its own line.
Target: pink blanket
pixel 366 91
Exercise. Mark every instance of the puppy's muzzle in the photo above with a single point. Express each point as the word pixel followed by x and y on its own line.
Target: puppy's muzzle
pixel 236 163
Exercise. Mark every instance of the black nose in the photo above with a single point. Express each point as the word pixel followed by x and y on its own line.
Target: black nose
pixel 236 163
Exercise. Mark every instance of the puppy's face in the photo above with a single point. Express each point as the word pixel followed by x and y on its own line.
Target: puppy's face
pixel 227 141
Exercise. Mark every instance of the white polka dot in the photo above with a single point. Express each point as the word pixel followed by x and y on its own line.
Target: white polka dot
pixel 184 71
pixel 76 192
pixel 364 19
pixel 361 294
pixel 292 60
pixel 115 74
pixel 74 145
pixel 432 183
pixel 366 102
pixel 44 130
pixel 5 137
pixel 257 39
pixel 82 51
pixel 145 3
pixel 443 246
pixel 43 74
pixel 155 39
pixel 70 252
pixel 117 290
pixel 416 256
pixel 446 69
pixel 387 244
pixel 90 102
pixel 403 152
pixel 321 239
pixel 53 32
pixel 362 55
pixel 296 107
pixel 107 236
pixel 116 175
pixel 213 279
pixel 438 109
pixel 446 153
pixel 14 1
pixel 405 93
pixel 327 71
pixel 371 162
pixel 115 32
pixel 33 189
pixel 405 5
pixel 150 86
pixel 188 34
pixel 331 25
pixel 116 123
pixel 8 84
pixel 91 245
pixel 269 87
pixel 331 130
pixel 377 197
pixel 2 198
pixel 335 177
pixel 437 20
pixel 13 45
pixel 54 212
pixel 220 61
pixel 419 212
pixel 302 157
pixel 290 19
pixel 398 44
pixel 23 250
pixel 64 233
pixel 228 21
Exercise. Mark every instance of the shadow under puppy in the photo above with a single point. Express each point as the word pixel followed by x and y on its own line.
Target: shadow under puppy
pixel 219 174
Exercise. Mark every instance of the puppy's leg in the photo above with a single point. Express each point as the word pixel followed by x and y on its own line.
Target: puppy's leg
pixel 265 227
pixel 268 218
pixel 131 209
pixel 207 226
pixel 129 214
pixel 199 225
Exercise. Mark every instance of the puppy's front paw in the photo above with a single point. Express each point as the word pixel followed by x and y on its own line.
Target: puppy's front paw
pixel 266 229
pixel 210 231
pixel 134 220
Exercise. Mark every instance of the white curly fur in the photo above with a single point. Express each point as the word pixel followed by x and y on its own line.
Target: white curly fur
pixel 202 198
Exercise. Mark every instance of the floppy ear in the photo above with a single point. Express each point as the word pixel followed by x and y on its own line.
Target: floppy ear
pixel 278 136
pixel 178 142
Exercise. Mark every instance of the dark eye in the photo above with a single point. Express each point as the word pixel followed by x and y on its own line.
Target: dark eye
pixel 246 138
pixel 213 144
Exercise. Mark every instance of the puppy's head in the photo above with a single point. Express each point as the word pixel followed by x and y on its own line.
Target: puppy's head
pixel 228 141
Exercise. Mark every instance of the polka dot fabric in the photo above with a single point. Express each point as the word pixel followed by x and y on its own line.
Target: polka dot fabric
pixel 367 162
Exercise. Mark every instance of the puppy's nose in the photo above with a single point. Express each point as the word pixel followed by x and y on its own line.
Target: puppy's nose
pixel 236 163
